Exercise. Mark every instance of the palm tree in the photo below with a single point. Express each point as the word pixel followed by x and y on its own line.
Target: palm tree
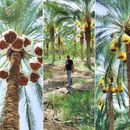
pixel 83 10
pixel 63 23
pixel 26 20
pixel 109 99
pixel 111 24
pixel 60 41
pixel 51 22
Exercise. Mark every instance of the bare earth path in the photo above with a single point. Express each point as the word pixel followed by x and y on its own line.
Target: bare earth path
pixel 57 85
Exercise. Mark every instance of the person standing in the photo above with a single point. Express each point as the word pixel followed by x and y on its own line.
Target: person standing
pixel 69 67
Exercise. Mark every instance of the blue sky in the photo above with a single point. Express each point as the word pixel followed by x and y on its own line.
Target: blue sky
pixel 100 9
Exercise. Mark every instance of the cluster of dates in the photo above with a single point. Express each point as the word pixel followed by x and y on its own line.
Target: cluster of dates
pixel 11 42
pixel 113 89
pixel 125 40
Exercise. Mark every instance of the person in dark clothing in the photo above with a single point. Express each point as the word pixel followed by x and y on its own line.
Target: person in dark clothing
pixel 69 67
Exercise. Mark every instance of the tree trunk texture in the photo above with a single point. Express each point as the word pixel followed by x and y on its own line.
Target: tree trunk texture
pixel 47 47
pixel 128 72
pixel 10 113
pixel 59 46
pixel 93 48
pixel 88 40
pixel 52 43
pixel 127 30
pixel 110 111
pixel 75 50
pixel 82 44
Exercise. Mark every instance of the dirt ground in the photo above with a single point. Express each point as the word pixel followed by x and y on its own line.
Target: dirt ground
pixel 57 85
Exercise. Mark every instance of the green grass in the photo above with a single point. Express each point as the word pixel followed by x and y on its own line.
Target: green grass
pixel 47 74
pixel 86 127
pixel 80 81
pixel 78 64
pixel 77 107
pixel 68 50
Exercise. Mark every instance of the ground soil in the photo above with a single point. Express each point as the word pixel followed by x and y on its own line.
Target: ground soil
pixel 57 85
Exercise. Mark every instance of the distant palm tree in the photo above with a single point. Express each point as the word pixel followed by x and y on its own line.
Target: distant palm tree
pixel 73 11
pixel 83 11
pixel 51 23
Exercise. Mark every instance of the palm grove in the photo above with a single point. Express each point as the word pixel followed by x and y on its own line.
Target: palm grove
pixel 112 60
pixel 69 28
pixel 21 23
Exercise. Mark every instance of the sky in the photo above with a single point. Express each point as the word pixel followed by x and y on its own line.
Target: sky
pixel 100 9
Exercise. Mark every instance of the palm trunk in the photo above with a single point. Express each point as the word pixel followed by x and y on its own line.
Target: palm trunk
pixel 127 30
pixel 59 47
pixel 88 39
pixel 92 48
pixel 10 115
pixel 81 43
pixel 52 43
pixel 111 112
pixel 47 47
pixel 75 51
pixel 128 72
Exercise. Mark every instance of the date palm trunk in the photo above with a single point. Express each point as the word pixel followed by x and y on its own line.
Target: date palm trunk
pixel 10 114
pixel 75 50
pixel 110 107
pixel 128 72
pixel 92 48
pixel 88 39
pixel 47 47
pixel 59 47
pixel 82 43
pixel 52 43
